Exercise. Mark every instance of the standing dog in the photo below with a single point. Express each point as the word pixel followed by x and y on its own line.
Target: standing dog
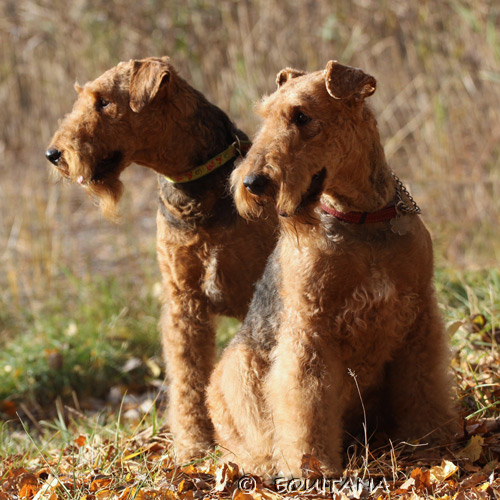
pixel 143 112
pixel 345 312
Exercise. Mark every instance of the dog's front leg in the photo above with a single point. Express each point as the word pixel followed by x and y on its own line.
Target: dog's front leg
pixel 188 336
pixel 238 411
pixel 189 351
pixel 305 391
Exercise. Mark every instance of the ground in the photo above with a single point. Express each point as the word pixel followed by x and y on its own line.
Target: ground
pixel 123 452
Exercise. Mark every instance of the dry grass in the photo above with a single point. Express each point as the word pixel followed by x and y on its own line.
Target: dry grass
pixel 438 100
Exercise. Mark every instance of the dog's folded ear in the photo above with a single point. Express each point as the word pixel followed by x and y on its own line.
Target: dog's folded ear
pixel 344 82
pixel 287 74
pixel 146 79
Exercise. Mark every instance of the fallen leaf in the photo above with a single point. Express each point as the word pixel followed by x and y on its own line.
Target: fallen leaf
pixel 469 467
pixel 200 483
pixel 483 426
pixel 225 474
pixel 184 486
pixel 422 479
pixel 28 491
pixel 189 469
pixel 47 491
pixel 267 494
pixel 491 467
pixel 125 494
pixel 475 323
pixel 473 480
pixel 442 472
pixel 80 441
pixel 311 467
pixel 409 483
pixel 139 494
pixel 165 494
pixel 239 495
pixel 27 478
pixel 104 494
pixel 453 327
pixel 484 487
pixel 261 494
pixel 100 483
pixel 473 449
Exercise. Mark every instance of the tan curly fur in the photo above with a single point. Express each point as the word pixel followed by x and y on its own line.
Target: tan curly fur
pixel 143 112
pixel 337 300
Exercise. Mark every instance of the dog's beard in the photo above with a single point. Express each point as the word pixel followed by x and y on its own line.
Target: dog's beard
pixel 100 179
pixel 107 195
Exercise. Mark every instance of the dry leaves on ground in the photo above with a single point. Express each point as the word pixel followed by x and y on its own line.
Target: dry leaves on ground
pixel 142 468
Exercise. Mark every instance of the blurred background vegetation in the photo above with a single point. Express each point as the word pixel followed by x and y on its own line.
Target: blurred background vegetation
pixel 69 278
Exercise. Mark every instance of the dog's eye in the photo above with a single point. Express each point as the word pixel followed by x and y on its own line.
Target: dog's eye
pixel 301 119
pixel 102 103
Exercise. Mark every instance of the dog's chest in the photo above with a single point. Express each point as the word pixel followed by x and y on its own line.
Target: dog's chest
pixel 353 305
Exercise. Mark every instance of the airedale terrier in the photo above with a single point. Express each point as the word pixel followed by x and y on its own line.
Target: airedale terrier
pixel 347 299
pixel 142 111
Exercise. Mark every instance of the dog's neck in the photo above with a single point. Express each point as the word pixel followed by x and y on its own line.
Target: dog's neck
pixel 197 132
pixel 362 181
pixel 203 132
pixel 362 186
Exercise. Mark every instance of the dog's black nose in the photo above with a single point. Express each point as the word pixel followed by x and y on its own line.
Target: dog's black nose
pixel 256 184
pixel 53 155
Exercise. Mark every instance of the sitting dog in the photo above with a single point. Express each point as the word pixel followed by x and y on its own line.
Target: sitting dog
pixel 144 112
pixel 345 314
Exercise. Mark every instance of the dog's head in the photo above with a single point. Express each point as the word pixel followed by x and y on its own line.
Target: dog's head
pixel 317 138
pixel 99 138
